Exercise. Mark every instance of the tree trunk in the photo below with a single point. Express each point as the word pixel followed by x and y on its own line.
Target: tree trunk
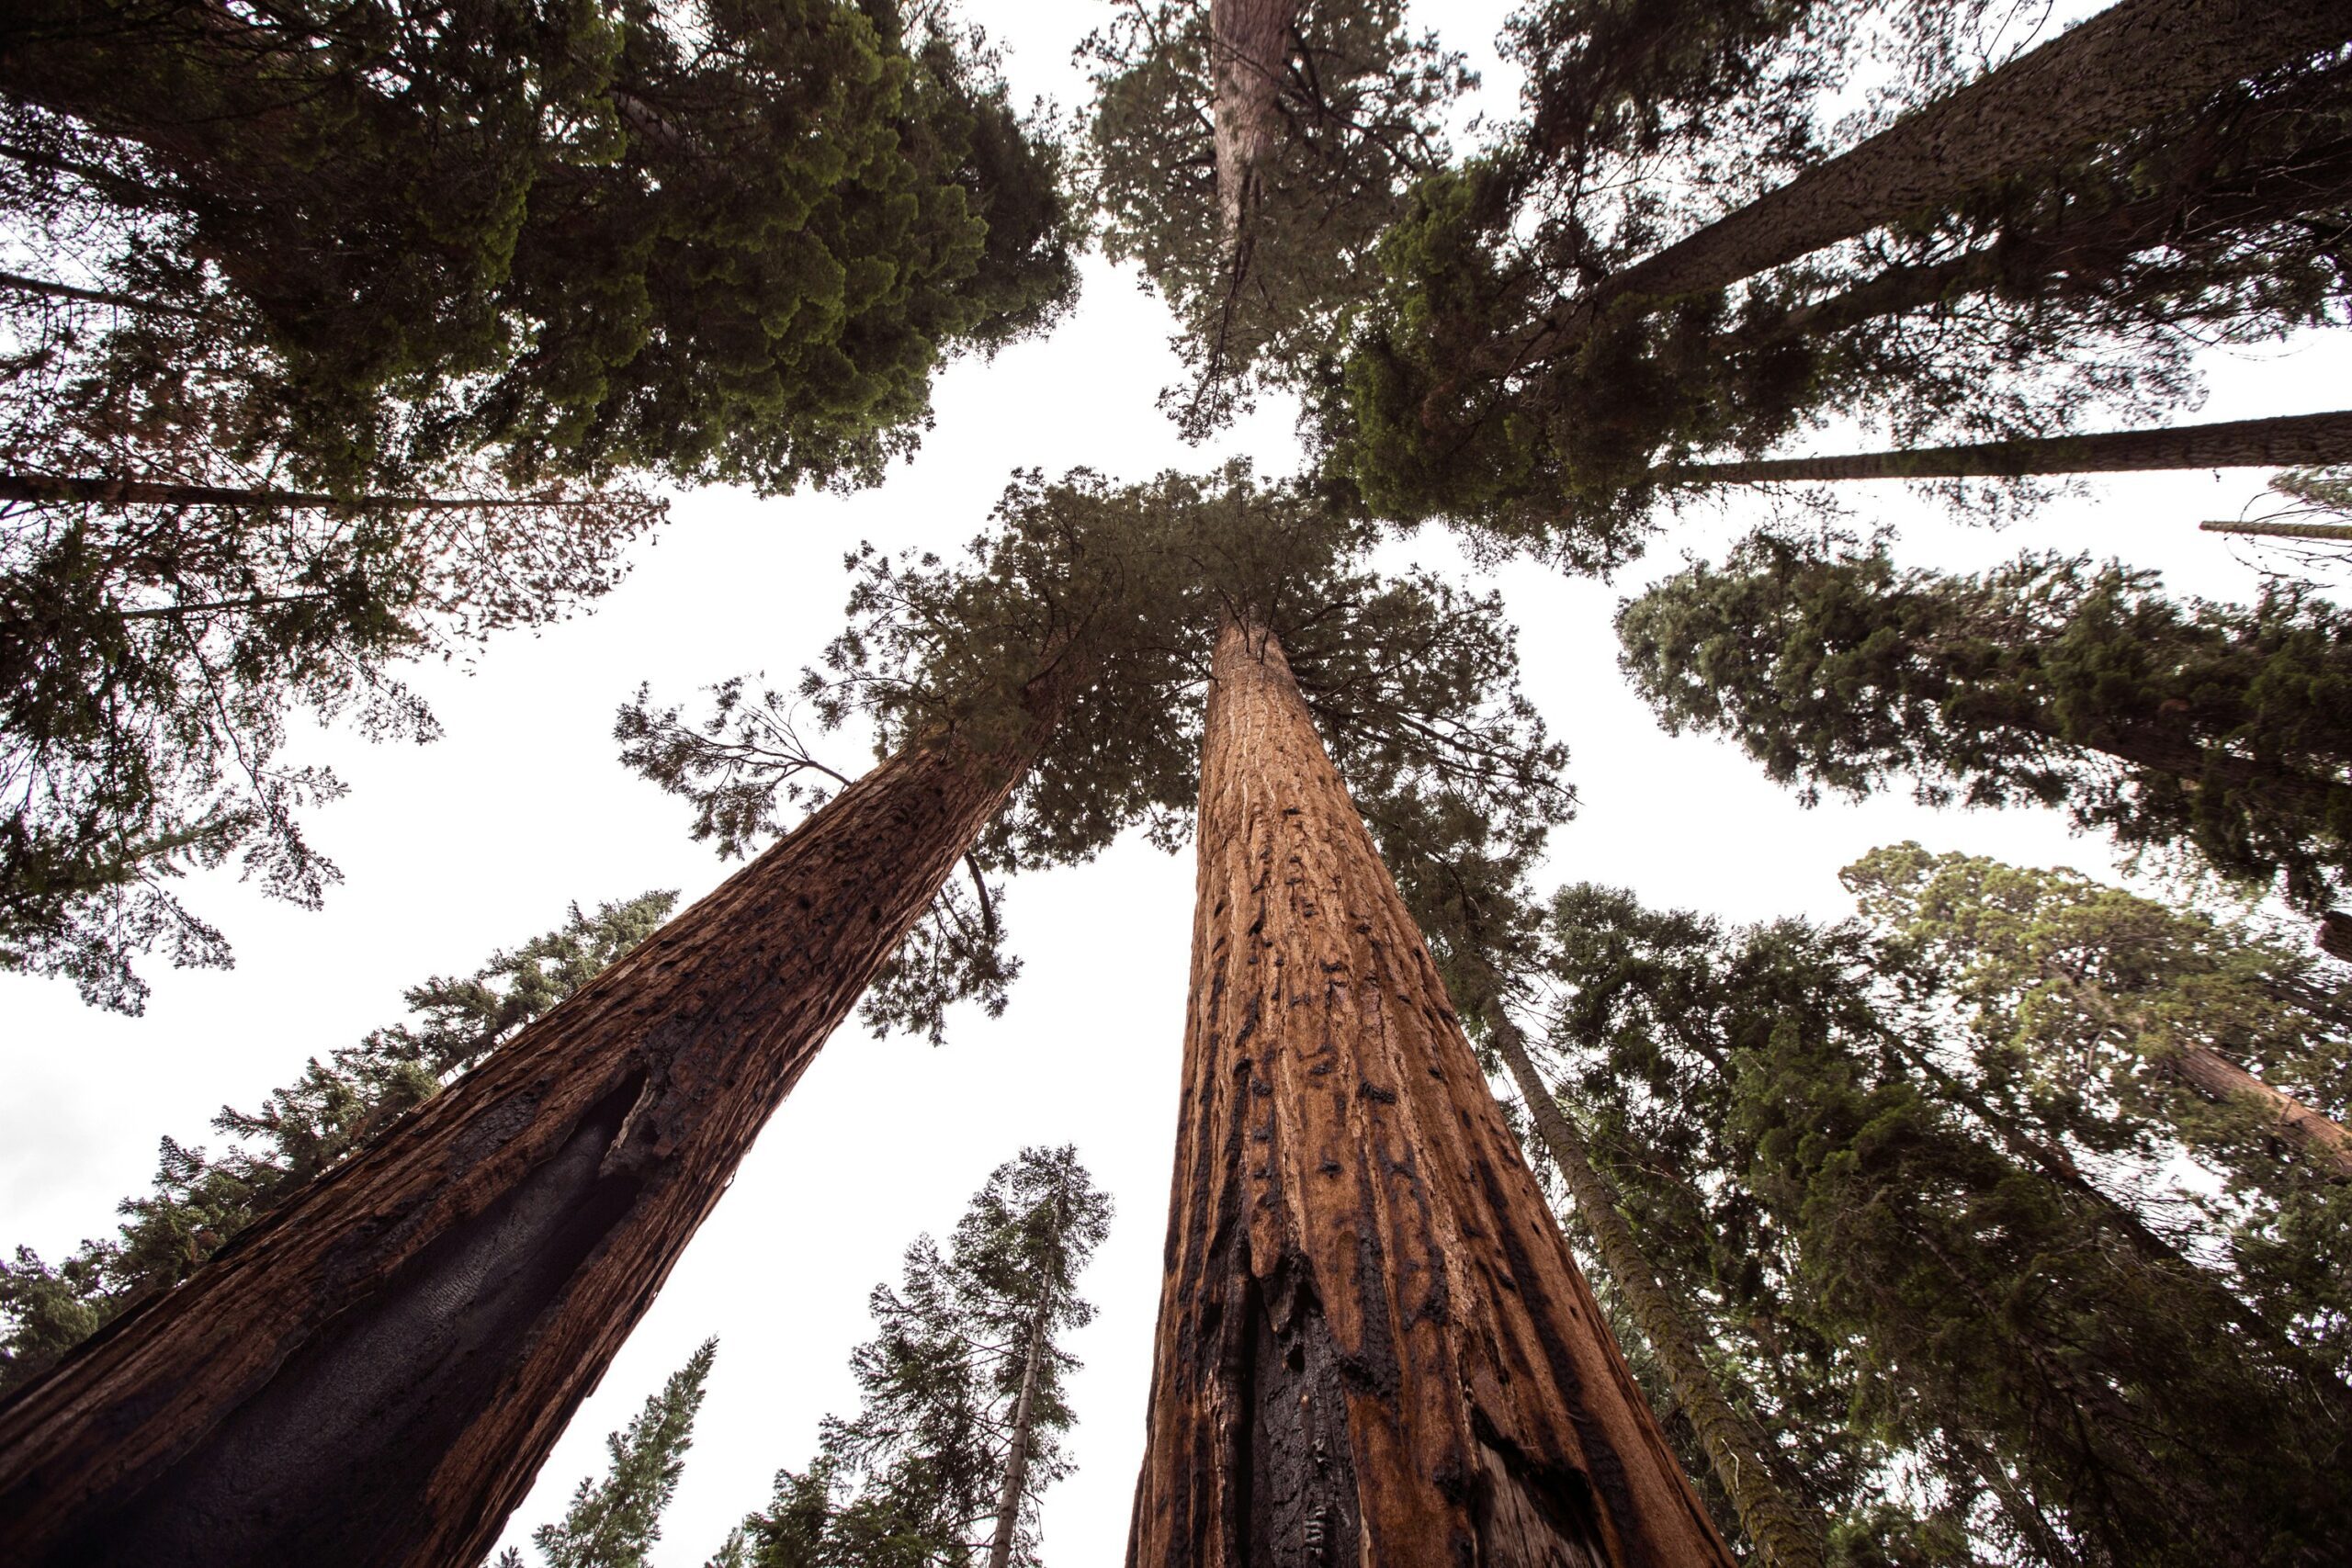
pixel 2334 936
pixel 51 490
pixel 2289 439
pixel 18 284
pixel 1375 1349
pixel 2123 69
pixel 1248 52
pixel 1016 1459
pixel 373 1374
pixel 2326 1141
pixel 1786 1534
pixel 2282 530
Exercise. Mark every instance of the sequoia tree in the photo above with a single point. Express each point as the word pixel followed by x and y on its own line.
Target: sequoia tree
pixel 416 1329
pixel 2216 729
pixel 1374 1345
pixel 961 1392
pixel 614 1522
pixel 1994 261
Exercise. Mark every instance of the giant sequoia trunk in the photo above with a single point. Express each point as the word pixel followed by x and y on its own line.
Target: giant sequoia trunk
pixel 2305 438
pixel 1374 1347
pixel 2124 69
pixel 2320 1137
pixel 1248 52
pixel 372 1375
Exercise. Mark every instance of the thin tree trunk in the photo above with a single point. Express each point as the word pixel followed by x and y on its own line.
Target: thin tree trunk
pixel 2282 530
pixel 43 287
pixel 2214 1074
pixel 1786 1534
pixel 1375 1349
pixel 1248 52
pixel 372 1374
pixel 51 490
pixel 1016 1460
pixel 2231 444
pixel 2123 69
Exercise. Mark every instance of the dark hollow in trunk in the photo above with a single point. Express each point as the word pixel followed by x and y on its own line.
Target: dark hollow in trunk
pixel 1374 1347
pixel 372 1375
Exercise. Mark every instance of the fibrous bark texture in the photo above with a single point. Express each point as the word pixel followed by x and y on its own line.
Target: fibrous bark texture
pixel 1785 1533
pixel 1249 53
pixel 2305 438
pixel 2321 1137
pixel 372 1375
pixel 2283 530
pixel 2125 67
pixel 1374 1348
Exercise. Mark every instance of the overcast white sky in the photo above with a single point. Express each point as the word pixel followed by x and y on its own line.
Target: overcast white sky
pixel 481 840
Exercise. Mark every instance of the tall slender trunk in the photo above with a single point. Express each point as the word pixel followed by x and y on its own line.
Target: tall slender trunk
pixel 2282 530
pixel 2319 1136
pixel 51 490
pixel 1248 52
pixel 2123 69
pixel 18 284
pixel 1786 1534
pixel 1016 1459
pixel 2229 444
pixel 372 1375
pixel 1375 1349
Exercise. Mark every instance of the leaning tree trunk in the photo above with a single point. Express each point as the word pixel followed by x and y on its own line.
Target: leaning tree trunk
pixel 1248 52
pixel 52 489
pixel 2303 438
pixel 1787 1535
pixel 1374 1348
pixel 2334 531
pixel 2321 1138
pixel 373 1374
pixel 2124 69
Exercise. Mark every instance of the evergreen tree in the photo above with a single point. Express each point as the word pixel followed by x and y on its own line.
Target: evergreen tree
pixel 336 1107
pixel 1247 154
pixel 1028 704
pixel 586 239
pixel 614 1523
pixel 1994 261
pixel 1973 1346
pixel 2175 727
pixel 961 1392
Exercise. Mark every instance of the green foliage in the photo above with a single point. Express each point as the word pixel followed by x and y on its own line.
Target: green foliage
pixel 1413 684
pixel 1357 106
pixel 1945 1299
pixel 724 239
pixel 913 1480
pixel 2213 727
pixel 336 1108
pixel 614 1523
pixel 2007 312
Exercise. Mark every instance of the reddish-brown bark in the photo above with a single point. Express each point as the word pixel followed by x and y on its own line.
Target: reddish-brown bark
pixel 2124 69
pixel 2228 444
pixel 373 1374
pixel 2324 1139
pixel 1375 1349
pixel 1248 52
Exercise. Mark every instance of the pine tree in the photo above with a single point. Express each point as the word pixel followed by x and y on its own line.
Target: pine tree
pixel 333 1110
pixel 1374 1345
pixel 507 1238
pixel 961 1392
pixel 614 1522
pixel 2175 727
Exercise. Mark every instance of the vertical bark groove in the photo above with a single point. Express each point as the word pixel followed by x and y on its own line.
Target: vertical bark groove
pixel 373 1374
pixel 1248 52
pixel 1373 1346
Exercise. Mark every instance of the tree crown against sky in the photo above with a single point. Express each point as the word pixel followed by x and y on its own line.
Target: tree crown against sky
pixel 1358 103
pixel 2210 728
pixel 1973 1328
pixel 2014 307
pixel 915 1476
pixel 616 1522
pixel 335 1108
pixel 584 239
pixel 1413 683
